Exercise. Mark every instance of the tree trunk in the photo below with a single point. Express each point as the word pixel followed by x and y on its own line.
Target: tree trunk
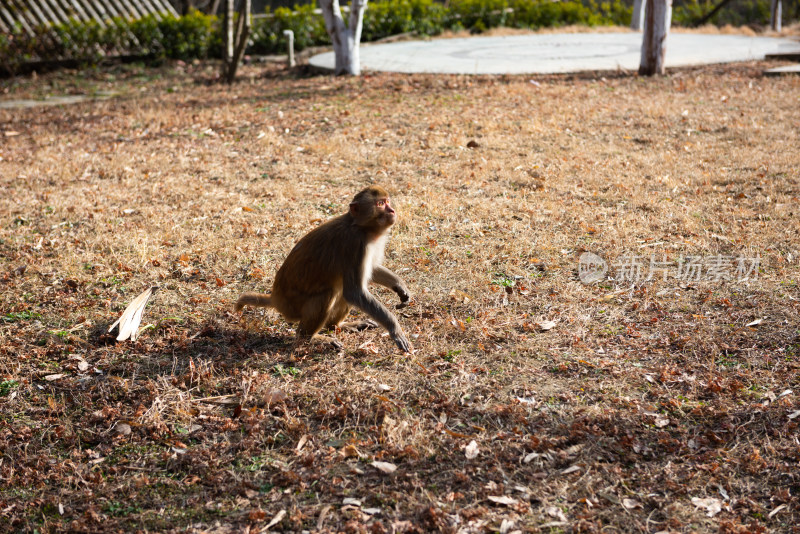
pixel 235 45
pixel 637 20
pixel 227 53
pixel 775 15
pixel 658 15
pixel 345 38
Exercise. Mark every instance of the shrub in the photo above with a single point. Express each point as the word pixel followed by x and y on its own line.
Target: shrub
pixel 78 39
pixel 16 48
pixel 546 13
pixel 148 34
pixel 187 37
pixel 194 35
pixel 689 12
pixel 614 12
pixel 478 15
pixel 308 27
pixel 385 18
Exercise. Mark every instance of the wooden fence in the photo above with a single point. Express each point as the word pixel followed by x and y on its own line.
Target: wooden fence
pixel 28 15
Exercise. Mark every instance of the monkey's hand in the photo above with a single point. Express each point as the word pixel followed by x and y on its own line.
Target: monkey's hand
pixel 402 292
pixel 402 342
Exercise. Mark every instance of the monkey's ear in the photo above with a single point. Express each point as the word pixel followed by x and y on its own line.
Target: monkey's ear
pixel 354 208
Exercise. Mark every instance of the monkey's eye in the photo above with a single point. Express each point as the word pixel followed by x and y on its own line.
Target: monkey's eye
pixel 381 203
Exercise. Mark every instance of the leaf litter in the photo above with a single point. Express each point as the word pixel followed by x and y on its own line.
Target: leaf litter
pixel 639 408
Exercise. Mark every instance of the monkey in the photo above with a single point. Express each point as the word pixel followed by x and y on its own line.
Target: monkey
pixel 327 272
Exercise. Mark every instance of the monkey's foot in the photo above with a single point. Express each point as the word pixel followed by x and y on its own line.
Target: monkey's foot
pixel 327 342
pixel 333 343
pixel 358 326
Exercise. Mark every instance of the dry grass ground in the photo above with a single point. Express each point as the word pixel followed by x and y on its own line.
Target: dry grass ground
pixel 643 407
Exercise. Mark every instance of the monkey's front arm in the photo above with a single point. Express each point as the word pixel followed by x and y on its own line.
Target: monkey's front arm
pixel 383 276
pixel 356 295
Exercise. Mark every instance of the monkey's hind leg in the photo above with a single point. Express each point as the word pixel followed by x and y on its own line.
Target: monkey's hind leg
pixel 315 313
pixel 339 311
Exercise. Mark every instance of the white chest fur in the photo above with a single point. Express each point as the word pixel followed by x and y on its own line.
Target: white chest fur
pixel 373 257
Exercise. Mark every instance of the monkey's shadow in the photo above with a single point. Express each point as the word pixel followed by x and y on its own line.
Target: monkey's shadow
pixel 226 341
pixel 250 342
pixel 240 341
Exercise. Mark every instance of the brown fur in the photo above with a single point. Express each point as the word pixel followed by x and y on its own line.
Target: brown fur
pixel 327 272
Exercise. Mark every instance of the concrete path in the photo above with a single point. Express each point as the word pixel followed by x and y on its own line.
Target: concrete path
pixel 787 69
pixel 551 53
pixel 54 100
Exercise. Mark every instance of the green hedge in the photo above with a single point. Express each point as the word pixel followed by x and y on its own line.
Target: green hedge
pixel 267 33
pixel 384 18
pixel 196 35
pixel 738 13
pixel 381 19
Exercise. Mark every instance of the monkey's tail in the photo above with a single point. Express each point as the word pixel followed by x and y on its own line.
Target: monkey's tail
pixel 260 300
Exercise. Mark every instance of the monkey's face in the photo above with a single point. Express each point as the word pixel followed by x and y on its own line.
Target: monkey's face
pixel 385 213
pixel 371 208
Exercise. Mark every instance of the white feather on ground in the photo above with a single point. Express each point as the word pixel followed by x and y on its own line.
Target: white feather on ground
pixel 132 316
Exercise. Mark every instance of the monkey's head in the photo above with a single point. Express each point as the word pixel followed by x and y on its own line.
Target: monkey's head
pixel 370 209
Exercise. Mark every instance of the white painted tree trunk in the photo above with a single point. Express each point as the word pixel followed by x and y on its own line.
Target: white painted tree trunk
pixel 657 19
pixel 637 20
pixel 775 15
pixel 345 38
